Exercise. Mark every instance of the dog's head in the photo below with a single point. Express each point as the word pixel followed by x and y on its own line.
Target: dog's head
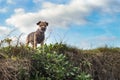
pixel 42 25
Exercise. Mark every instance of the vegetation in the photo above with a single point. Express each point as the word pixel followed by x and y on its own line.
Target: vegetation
pixel 58 62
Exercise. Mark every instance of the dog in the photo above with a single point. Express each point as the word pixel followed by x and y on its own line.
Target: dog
pixel 38 36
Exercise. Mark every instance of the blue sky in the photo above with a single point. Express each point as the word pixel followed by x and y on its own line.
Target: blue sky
pixel 82 23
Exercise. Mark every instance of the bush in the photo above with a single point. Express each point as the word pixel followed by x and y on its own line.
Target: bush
pixel 59 62
pixel 28 64
pixel 53 66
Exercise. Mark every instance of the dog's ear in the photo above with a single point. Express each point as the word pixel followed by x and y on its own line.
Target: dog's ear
pixel 46 23
pixel 38 23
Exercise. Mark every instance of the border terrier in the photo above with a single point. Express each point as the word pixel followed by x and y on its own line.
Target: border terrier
pixel 38 36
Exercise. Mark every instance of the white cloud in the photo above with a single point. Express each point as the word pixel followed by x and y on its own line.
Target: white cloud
pixel 3 10
pixel 106 38
pixel 23 21
pixel 36 1
pixel 58 15
pixel 10 1
pixel 16 2
pixel 85 44
pixel 98 41
pixel 3 30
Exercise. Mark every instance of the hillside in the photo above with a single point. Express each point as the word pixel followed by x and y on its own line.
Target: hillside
pixel 59 62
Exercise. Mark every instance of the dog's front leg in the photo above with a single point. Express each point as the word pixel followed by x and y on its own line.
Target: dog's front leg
pixel 35 41
pixel 27 42
pixel 42 43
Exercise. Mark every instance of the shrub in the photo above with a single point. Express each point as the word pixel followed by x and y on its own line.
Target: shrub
pixel 53 66
pixel 59 62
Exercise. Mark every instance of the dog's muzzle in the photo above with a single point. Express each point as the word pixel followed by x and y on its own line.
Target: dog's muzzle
pixel 43 29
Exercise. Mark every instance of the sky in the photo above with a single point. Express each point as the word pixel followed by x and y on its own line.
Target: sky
pixel 84 24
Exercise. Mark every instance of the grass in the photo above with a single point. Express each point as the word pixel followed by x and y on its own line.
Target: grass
pixel 59 62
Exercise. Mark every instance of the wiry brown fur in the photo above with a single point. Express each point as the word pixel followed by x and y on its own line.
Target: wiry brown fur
pixel 38 36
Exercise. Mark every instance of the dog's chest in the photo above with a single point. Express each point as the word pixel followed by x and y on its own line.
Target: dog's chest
pixel 40 36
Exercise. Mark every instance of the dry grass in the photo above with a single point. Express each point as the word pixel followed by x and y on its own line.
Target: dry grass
pixel 14 69
pixel 101 63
